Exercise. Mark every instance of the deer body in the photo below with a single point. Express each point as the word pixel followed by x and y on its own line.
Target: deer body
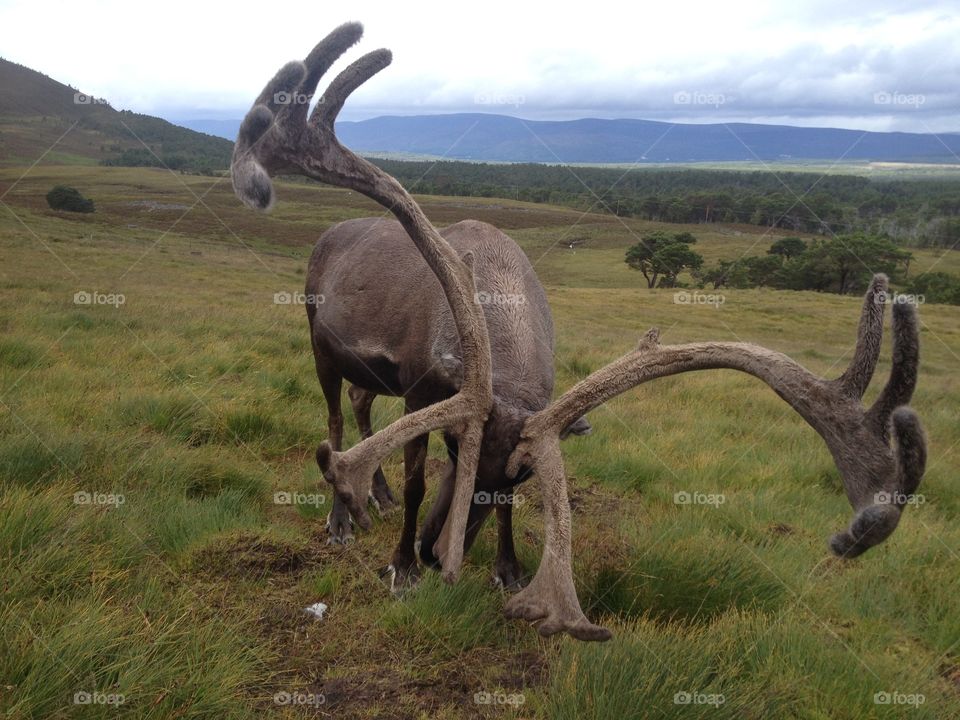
pixel 379 319
pixel 385 321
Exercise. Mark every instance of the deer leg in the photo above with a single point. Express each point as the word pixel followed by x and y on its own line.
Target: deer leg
pixel 433 523
pixel 362 401
pixel 338 521
pixel 403 568
pixel 507 571
pixel 433 538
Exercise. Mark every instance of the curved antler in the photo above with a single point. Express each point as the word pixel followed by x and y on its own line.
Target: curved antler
pixel 877 479
pixel 276 137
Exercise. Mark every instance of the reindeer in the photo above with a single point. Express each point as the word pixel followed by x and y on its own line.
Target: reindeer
pixel 483 373
pixel 386 326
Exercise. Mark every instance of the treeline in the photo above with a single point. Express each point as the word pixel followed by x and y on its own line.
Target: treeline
pixel 839 263
pixel 920 213
pixel 167 145
pixel 142 157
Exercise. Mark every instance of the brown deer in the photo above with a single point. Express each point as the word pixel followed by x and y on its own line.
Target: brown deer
pixel 482 372
pixel 386 324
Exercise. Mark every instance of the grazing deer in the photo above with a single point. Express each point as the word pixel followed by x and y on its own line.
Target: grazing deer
pixel 386 323
pixel 483 373
pixel 385 326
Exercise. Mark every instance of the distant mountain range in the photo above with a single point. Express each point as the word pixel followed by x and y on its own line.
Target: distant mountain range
pixel 501 138
pixel 36 113
pixel 40 117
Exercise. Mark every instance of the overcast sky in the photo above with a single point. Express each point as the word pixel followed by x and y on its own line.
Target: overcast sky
pixel 870 64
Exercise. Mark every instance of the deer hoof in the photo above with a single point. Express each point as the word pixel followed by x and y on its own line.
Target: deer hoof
pixel 347 539
pixel 340 526
pixel 382 501
pixel 506 585
pixel 399 578
pixel 510 578
pixel 389 576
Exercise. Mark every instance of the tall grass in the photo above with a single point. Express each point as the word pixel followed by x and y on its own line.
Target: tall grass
pixel 196 401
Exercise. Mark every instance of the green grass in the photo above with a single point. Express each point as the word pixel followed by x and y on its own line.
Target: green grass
pixel 195 401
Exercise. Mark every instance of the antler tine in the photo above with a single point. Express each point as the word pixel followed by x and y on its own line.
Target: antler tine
pixel 251 181
pixel 906 360
pixel 911 449
pixel 299 89
pixel 345 83
pixel 876 478
pixel 287 79
pixel 276 137
pixel 856 378
pixel 297 80
pixel 326 52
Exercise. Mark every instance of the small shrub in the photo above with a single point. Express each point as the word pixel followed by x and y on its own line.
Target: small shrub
pixel 70 199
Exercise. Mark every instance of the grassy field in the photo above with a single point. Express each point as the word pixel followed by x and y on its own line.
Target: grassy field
pixel 148 571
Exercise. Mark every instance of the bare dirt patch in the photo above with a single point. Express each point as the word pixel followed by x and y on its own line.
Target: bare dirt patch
pixel 248 556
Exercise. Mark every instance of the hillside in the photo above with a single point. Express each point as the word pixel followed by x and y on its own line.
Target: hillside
pixel 474 136
pixel 40 115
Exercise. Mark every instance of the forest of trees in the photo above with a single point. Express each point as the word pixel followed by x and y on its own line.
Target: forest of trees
pixel 918 213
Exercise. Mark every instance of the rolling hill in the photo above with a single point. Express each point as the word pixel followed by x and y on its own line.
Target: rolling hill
pixel 43 118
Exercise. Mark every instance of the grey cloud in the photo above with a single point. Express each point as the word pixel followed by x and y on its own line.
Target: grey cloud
pixel 908 84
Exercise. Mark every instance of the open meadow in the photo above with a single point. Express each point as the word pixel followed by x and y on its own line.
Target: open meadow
pixel 159 408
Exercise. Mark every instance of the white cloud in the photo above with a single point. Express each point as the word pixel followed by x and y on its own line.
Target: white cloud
pixel 815 59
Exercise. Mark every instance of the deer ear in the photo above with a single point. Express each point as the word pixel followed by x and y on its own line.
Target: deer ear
pixel 452 368
pixel 580 426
